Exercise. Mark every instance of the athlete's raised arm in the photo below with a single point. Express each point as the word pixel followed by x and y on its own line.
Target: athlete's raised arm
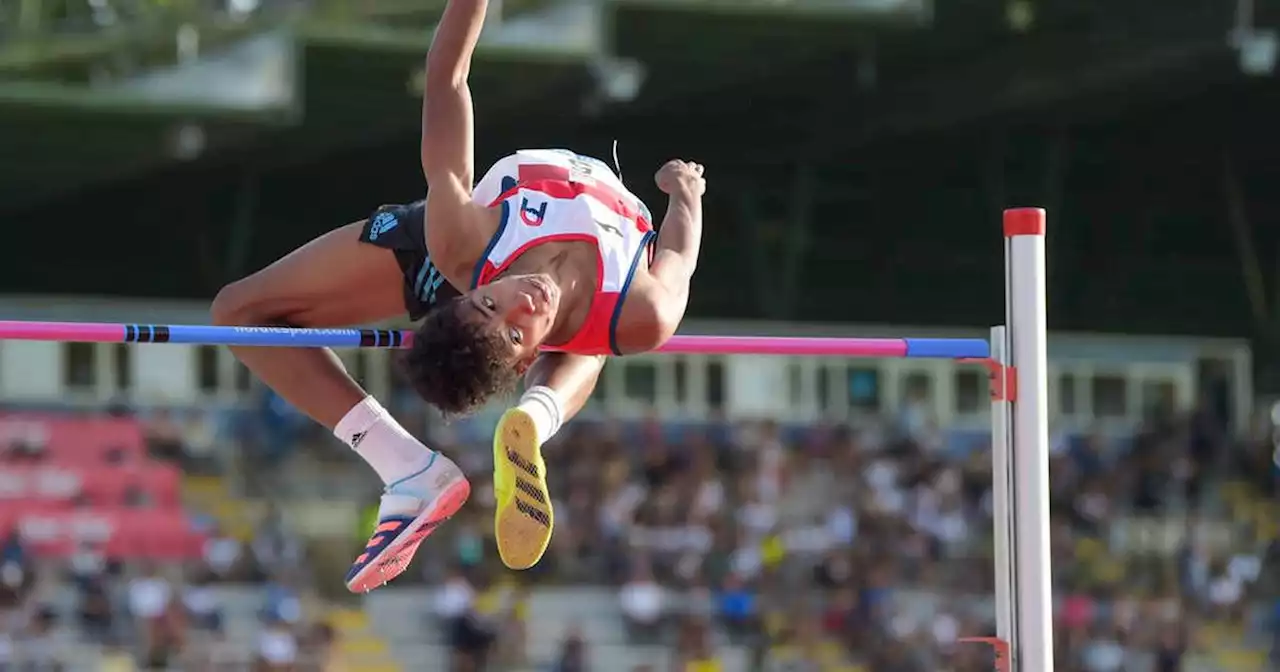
pixel 666 294
pixel 448 129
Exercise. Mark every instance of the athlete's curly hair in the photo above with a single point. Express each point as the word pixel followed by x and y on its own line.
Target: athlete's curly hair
pixel 457 364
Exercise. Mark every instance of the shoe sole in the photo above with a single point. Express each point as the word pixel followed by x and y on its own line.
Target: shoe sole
pixel 399 553
pixel 523 519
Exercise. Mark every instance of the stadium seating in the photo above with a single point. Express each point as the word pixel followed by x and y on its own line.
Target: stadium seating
pixel 98 486
pixel 83 440
pixel 87 480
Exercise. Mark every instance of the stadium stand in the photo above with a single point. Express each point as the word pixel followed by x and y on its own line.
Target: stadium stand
pixel 718 547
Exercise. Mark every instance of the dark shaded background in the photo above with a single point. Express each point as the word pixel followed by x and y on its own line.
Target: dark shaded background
pixel 857 169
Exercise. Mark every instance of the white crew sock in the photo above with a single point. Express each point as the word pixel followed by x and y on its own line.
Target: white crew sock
pixel 545 408
pixel 376 436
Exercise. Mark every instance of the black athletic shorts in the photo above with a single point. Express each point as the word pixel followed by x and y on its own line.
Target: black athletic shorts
pixel 399 228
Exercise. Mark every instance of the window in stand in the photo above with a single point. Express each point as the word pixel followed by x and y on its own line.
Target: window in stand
pixel 122 362
pixel 795 383
pixel 972 394
pixel 863 385
pixel 1110 396
pixel 823 383
pixel 715 384
pixel 244 378
pixel 640 381
pixel 207 368
pixel 1068 405
pixel 917 385
pixel 1159 396
pixel 79 365
pixel 681 373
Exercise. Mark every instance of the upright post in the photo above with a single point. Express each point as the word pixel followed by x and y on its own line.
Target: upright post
pixel 1001 489
pixel 1025 308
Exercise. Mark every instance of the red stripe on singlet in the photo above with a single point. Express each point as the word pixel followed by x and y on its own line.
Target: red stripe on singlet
pixel 555 181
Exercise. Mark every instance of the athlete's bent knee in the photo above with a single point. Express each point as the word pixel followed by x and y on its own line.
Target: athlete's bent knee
pixel 238 304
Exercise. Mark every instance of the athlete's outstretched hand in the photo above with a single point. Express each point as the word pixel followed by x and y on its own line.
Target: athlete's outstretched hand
pixel 677 176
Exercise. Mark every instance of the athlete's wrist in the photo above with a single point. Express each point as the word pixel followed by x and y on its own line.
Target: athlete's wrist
pixel 685 194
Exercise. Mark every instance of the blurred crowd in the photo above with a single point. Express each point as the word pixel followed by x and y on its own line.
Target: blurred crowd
pixel 78 600
pixel 858 547
pixel 869 547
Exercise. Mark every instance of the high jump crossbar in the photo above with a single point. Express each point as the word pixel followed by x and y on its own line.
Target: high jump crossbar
pixel 1015 357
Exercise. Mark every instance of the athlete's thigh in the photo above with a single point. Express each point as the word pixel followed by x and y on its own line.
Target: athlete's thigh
pixel 334 280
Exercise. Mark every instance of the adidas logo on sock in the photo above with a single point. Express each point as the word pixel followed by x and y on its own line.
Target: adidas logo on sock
pixel 357 438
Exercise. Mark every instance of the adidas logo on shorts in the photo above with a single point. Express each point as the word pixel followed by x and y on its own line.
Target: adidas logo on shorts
pixel 382 223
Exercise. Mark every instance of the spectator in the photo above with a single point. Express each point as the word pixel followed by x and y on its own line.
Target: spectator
pixel 1103 653
pixel 841 616
pixel 896 655
pixel 115 658
pixel 201 603
pixel 222 553
pixel 1274 627
pixel 149 595
pixel 151 601
pixel 200 446
pixel 26 449
pixel 1077 612
pixel 1225 592
pixel 14 550
pixel 694 650
pixel 282 603
pixel 1170 650
pixel 97 615
pixel 41 646
pixel 794 650
pixel 218 653
pixel 88 563
pixel 468 635
pixel 945 630
pixel 914 420
pixel 512 626
pixel 738 607
pixel 641 600
pixel 275 548
pixel 281 426
pixel 164 438
pixel 321 644
pixel 277 647
pixel 454 598
pixel 1193 566
pixel 573 653
pixel 17 576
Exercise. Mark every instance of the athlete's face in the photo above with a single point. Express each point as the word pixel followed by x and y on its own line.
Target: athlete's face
pixel 521 308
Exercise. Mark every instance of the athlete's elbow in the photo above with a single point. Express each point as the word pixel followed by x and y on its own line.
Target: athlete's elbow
pixel 249 301
pixel 663 324
pixel 660 334
pixel 233 306
pixel 440 76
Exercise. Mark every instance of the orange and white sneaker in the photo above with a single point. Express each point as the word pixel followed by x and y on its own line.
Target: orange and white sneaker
pixel 411 509
pixel 523 518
